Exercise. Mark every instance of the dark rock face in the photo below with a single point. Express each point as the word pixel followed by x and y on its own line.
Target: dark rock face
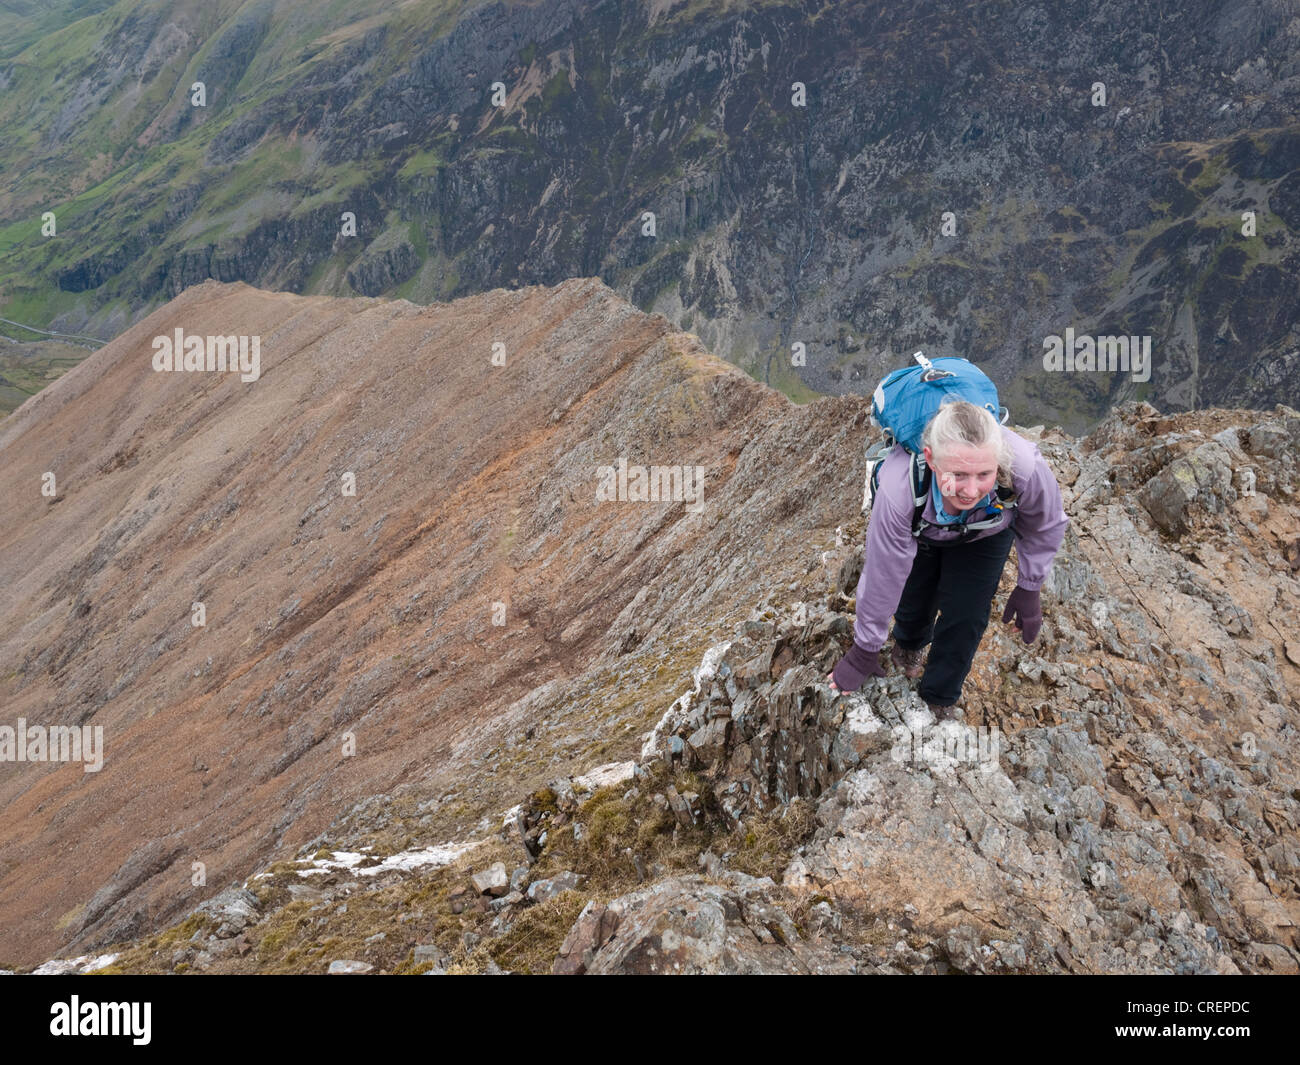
pixel 385 264
pixel 952 181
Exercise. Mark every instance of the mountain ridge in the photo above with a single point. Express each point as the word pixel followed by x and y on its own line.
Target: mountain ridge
pixel 156 488
pixel 370 619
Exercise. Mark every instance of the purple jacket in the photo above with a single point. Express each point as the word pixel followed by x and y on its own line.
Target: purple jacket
pixel 1039 520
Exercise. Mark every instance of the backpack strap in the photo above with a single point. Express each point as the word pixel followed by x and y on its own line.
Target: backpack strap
pixel 920 482
pixel 875 459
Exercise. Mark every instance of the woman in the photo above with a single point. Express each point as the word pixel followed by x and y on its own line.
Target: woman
pixel 943 569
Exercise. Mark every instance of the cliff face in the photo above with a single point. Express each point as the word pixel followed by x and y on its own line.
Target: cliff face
pixel 474 666
pixel 957 177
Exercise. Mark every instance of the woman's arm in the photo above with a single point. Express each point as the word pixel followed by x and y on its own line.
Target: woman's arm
pixel 1040 524
pixel 887 561
pixel 889 553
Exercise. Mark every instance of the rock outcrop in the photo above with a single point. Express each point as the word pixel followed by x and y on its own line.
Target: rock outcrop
pixel 1109 827
pixel 692 925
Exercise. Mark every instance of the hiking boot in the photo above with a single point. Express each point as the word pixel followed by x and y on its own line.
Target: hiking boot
pixel 941 713
pixel 912 663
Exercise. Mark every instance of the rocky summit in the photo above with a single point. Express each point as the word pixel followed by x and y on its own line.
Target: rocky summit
pixel 401 668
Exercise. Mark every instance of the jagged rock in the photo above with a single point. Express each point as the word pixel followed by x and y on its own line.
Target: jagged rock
pixel 685 925
pixel 592 929
pixel 782 739
pixel 708 741
pixel 680 807
pixel 233 909
pixel 846 581
pixel 754 670
pixel 1271 439
pixel 660 741
pixel 541 890
pixel 491 881
pixel 1204 477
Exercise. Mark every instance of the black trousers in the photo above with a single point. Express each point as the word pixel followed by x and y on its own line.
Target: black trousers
pixel 958 582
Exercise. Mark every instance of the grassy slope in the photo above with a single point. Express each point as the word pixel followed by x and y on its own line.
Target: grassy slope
pixel 113 167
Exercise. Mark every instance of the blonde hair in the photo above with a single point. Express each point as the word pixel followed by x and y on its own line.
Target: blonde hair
pixel 958 423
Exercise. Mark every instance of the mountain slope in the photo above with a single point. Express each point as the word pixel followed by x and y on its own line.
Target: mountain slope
pixel 351 694
pixel 371 614
pixel 954 181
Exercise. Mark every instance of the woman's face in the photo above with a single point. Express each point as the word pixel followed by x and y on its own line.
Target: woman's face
pixel 965 475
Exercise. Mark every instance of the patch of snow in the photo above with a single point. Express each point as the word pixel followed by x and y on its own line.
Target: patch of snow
pixel 436 856
pixel 65 966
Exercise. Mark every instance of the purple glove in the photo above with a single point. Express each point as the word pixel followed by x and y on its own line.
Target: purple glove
pixel 1028 611
pixel 855 667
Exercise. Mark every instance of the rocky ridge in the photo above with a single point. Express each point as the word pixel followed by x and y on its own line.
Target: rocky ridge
pixel 1120 796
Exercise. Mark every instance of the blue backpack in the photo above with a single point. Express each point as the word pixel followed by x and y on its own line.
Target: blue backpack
pixel 903 404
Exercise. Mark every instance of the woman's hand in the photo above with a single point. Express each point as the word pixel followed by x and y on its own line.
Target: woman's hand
pixel 1024 604
pixel 855 667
